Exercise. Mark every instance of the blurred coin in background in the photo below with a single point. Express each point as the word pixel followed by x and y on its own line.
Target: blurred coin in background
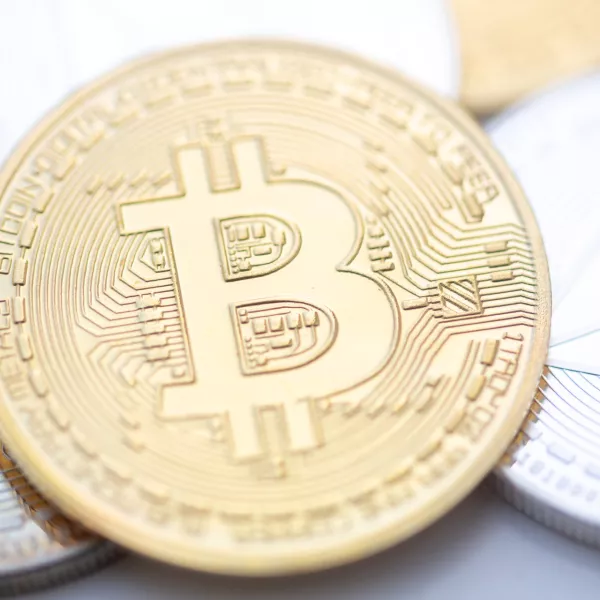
pixel 39 547
pixel 70 42
pixel 510 48
pixel 552 471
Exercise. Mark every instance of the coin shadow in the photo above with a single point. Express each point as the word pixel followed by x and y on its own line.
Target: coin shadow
pixel 483 548
pixel 381 576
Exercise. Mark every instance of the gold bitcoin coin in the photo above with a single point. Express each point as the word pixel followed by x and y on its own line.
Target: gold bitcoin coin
pixel 265 307
pixel 513 47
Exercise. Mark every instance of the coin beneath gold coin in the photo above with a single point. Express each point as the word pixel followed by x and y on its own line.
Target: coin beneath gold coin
pixel 551 472
pixel 513 47
pixel 266 307
pixel 39 546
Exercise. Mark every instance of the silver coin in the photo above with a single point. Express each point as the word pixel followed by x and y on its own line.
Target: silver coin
pixel 39 547
pixel 552 142
pixel 552 473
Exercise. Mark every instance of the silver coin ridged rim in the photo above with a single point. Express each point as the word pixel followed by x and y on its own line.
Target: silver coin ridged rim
pixel 541 505
pixel 101 554
pixel 549 515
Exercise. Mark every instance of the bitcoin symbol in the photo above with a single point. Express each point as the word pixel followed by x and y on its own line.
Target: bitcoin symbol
pixel 256 245
pixel 256 249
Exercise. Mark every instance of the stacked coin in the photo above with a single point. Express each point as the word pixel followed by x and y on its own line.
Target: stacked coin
pixel 267 307
pixel 40 547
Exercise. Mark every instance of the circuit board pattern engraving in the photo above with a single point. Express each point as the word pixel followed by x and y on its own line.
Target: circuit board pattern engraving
pixel 300 324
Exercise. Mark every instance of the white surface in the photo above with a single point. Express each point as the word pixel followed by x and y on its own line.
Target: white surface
pixel 49 48
pixel 483 550
pixel 579 354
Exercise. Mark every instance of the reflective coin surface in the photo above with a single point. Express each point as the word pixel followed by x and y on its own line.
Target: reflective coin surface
pixel 511 48
pixel 267 307
pixel 39 546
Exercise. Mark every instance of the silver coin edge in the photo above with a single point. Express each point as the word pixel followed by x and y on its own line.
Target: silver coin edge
pixel 98 556
pixel 545 513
